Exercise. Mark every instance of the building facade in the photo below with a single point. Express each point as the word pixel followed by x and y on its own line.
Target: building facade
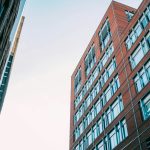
pixel 10 16
pixel 110 87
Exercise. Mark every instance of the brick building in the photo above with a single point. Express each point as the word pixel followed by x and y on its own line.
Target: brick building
pixel 110 87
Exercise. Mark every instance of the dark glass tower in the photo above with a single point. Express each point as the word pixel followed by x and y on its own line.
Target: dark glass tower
pixel 10 16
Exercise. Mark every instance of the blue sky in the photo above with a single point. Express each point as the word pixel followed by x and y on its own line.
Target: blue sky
pixel 35 115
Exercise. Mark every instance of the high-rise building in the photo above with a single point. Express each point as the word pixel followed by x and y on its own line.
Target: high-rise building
pixel 10 16
pixel 110 87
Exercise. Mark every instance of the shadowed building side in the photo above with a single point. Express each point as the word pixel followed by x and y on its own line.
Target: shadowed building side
pixel 9 63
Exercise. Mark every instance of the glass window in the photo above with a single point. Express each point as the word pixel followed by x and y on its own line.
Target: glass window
pixel 98 106
pixel 129 15
pixel 90 81
pixel 104 59
pixel 107 54
pixel 77 81
pixel 100 146
pixel 144 46
pixel 75 119
pixel 110 50
pixel 116 109
pixel 77 147
pixel 144 21
pixel 133 37
pixel 108 94
pixel 80 97
pixel 105 120
pixel 113 139
pixel 105 76
pixel 121 130
pixel 85 142
pixel 89 137
pixel 124 129
pixel 89 118
pixel 93 94
pixel 147 67
pixel 1 9
pixel 115 84
pixel 97 87
pixel 138 29
pixel 117 81
pixel 81 110
pixel 90 60
pixel 105 34
pixel 81 145
pixel 76 133
pixel 101 81
pixel 120 102
pixel 138 55
pixel 83 90
pixel 77 116
pixel 76 102
pixel 128 43
pixel 106 40
pixel 148 12
pixel 95 133
pixel 107 143
pixel 132 62
pixel 100 126
pixel 143 77
pixel 145 105
pixel 100 65
pixel 81 128
pixel 111 68
pixel 87 85
pixel 103 100
pixel 95 73
pixel 88 101
pixel 138 83
pixel 148 39
pixel 109 116
pixel 85 122
pixel 93 113
pixel 118 133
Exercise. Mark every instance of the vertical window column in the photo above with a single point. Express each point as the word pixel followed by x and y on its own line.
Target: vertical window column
pixel 105 35
pixel 77 81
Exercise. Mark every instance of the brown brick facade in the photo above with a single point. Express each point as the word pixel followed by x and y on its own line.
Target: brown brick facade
pixel 138 128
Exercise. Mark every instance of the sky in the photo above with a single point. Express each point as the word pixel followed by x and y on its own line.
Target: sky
pixel 36 111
